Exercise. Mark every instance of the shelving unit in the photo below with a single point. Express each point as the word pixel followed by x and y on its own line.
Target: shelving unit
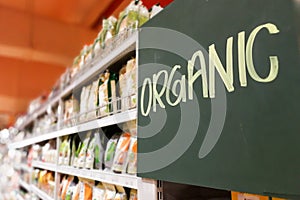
pixel 146 188
pixel 43 165
pixel 96 66
pixel 125 180
pixel 98 123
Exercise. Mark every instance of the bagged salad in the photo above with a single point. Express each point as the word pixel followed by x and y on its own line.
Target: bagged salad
pixel 110 151
pixel 83 151
pixel 99 151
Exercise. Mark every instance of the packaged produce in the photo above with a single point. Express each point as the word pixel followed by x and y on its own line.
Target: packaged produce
pixel 49 152
pixel 112 92
pixel 127 83
pixel 85 93
pixel 71 109
pixel 76 192
pixel 110 191
pixel 93 100
pixel 83 151
pixel 98 192
pixel 42 178
pixel 76 157
pixel 73 151
pixel 132 156
pixel 133 194
pixel 46 181
pixel 90 154
pixel 108 31
pixel 128 19
pixel 85 189
pixel 132 17
pixel 66 183
pixel 63 150
pixel 74 147
pixel 123 89
pixel 70 191
pixel 75 67
pixel 120 157
pixel 99 151
pixel 131 82
pixel 103 94
pixel 89 54
pixel 130 127
pixel 86 55
pixel 62 184
pixel 121 194
pixel 67 152
pixel 110 151
pixel 143 15
pixel 35 175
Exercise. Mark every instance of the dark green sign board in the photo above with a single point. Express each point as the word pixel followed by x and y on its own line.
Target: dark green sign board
pixel 219 103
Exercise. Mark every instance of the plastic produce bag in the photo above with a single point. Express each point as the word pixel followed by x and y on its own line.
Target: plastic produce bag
pixel 93 100
pixel 120 157
pixel 121 195
pixel 90 154
pixel 83 151
pixel 84 97
pixel 103 95
pixel 131 82
pixel 62 151
pixel 132 157
pixel 108 31
pixel 98 192
pixel 110 191
pixel 133 194
pixel 85 189
pixel 110 151
pixel 99 151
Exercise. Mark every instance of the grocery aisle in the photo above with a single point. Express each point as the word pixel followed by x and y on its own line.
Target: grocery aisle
pixel 131 99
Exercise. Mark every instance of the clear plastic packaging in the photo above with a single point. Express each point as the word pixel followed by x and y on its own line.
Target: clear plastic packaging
pixel 132 156
pixel 90 154
pixel 120 157
pixel 110 151
pixel 83 151
pixel 99 151
pixel 98 192
pixel 103 95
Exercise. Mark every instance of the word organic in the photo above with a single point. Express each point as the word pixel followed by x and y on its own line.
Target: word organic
pixel 245 61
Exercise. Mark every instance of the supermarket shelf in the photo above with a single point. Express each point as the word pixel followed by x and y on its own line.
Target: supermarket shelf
pixel 103 176
pixel 43 165
pixel 98 65
pixel 41 194
pixel 98 123
pixel 24 185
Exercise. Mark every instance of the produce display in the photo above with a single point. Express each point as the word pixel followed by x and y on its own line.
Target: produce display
pixel 100 98
pixel 92 150
pixel 127 83
pixel 71 109
pixel 44 180
pixel 70 103
pixel 73 188
pixel 45 153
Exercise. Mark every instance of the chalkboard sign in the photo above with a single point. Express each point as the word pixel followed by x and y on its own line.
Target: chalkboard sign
pixel 219 103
